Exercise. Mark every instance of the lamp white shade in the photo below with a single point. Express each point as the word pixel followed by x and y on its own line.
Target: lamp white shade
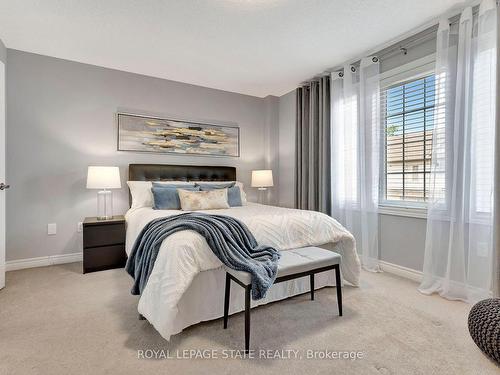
pixel 103 178
pixel 262 178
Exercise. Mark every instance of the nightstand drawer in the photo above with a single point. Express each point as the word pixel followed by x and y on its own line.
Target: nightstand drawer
pixel 105 257
pixel 103 235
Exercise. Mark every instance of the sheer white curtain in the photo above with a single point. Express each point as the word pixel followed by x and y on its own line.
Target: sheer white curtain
pixel 459 248
pixel 355 127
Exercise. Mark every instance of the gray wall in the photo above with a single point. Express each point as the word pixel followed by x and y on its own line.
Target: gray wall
pixel 402 240
pixel 286 146
pixel 3 52
pixel 61 118
pixel 271 150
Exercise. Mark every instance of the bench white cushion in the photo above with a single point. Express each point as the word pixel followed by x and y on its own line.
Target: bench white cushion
pixel 296 261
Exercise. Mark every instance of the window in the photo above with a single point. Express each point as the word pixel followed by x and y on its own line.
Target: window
pixel 408 120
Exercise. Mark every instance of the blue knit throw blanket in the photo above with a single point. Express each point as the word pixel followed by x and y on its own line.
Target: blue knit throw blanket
pixel 230 240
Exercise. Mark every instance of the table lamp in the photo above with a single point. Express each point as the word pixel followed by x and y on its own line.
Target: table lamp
pixel 104 178
pixel 262 179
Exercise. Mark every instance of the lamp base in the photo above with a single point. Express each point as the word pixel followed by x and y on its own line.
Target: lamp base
pixel 261 194
pixel 104 205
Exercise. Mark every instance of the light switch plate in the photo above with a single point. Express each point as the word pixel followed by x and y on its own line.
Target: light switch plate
pixel 51 229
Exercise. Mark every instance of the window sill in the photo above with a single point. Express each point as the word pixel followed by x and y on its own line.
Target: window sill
pixel 416 212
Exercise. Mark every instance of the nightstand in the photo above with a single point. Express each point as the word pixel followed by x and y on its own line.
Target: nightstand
pixel 103 244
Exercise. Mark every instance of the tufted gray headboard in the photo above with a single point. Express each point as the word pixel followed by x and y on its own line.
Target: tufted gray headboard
pixel 169 172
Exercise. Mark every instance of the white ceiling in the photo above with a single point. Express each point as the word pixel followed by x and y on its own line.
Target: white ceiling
pixel 255 47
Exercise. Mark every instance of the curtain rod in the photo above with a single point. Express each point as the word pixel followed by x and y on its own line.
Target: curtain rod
pixel 417 39
pixel 412 41
pixel 401 46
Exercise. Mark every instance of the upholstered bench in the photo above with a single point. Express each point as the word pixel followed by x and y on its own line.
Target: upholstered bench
pixel 306 261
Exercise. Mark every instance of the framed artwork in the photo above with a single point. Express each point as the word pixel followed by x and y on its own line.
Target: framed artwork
pixel 162 135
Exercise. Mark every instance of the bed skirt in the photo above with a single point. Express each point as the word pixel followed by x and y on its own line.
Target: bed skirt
pixel 204 299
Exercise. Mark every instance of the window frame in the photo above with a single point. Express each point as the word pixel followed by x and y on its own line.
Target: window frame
pixel 413 70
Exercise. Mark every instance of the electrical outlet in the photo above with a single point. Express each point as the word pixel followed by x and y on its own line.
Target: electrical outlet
pixel 79 227
pixel 52 229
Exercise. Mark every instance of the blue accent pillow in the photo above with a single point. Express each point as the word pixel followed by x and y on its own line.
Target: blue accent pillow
pixel 167 198
pixel 233 193
pixel 234 196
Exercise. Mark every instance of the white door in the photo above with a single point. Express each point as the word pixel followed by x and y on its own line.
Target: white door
pixel 2 175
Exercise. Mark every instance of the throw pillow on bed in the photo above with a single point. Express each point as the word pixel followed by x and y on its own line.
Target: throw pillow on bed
pixel 233 192
pixel 141 191
pixel 203 200
pixel 236 183
pixel 167 197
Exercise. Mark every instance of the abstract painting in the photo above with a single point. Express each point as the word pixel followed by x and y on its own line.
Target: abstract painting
pixel 162 135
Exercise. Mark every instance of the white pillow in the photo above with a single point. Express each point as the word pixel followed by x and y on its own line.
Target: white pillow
pixel 236 183
pixel 203 200
pixel 141 191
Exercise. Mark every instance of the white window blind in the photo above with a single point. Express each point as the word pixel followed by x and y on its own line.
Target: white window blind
pixel 408 110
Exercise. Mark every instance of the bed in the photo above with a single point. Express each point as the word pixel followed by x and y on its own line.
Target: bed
pixel 186 285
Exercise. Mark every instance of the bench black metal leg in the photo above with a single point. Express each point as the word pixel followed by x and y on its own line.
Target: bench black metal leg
pixel 226 299
pixel 312 286
pixel 247 317
pixel 338 286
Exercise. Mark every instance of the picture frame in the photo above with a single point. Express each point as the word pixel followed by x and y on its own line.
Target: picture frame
pixel 155 134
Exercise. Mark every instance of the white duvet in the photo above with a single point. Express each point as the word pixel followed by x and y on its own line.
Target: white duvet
pixel 186 254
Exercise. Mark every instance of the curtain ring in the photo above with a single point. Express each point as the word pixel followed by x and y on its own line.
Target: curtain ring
pixel 374 59
pixel 341 74
pixel 403 50
pixel 353 69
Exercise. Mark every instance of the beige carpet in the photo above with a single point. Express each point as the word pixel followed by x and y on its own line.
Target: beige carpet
pixel 54 320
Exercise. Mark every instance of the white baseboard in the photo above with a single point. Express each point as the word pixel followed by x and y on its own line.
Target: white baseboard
pixel 405 272
pixel 2 276
pixel 50 260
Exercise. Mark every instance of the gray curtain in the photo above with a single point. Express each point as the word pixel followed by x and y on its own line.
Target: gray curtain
pixel 312 177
